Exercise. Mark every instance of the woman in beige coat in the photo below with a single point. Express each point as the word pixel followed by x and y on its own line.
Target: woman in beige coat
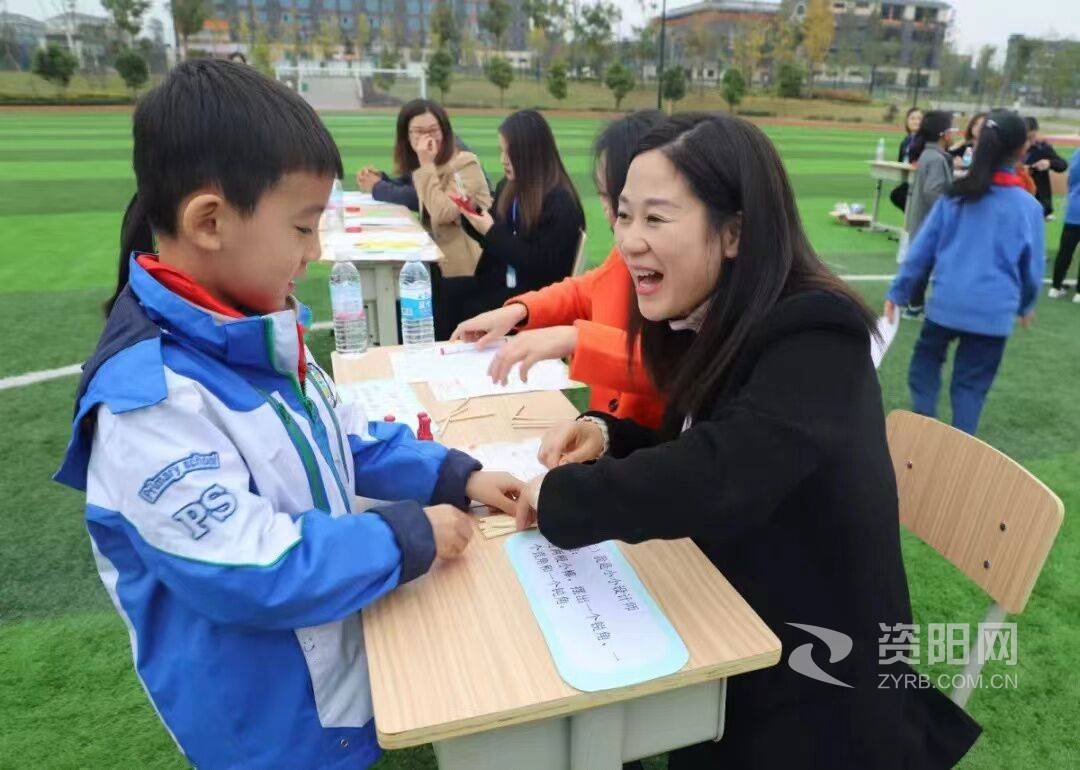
pixel 438 166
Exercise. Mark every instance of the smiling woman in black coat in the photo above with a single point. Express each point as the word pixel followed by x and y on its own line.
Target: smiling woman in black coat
pixel 773 456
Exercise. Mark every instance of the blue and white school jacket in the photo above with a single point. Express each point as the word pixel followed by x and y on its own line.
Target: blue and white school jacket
pixel 219 501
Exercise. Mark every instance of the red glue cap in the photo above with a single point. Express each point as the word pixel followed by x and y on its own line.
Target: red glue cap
pixel 423 432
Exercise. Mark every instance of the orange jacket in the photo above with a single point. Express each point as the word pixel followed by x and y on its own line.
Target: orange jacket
pixel 598 305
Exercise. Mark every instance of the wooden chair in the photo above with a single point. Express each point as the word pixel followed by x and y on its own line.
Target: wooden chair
pixel 976 507
pixel 579 258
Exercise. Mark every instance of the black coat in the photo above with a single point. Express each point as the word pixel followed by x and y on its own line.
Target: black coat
pixel 1043 192
pixel 788 488
pixel 541 257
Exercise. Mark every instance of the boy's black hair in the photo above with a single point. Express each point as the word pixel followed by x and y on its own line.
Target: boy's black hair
pixel 219 124
pixel 934 125
pixel 1032 123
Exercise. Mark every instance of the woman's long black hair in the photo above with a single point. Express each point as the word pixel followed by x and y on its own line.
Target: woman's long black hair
pixel 617 145
pixel 1002 137
pixel 215 123
pixel 538 168
pixel 732 168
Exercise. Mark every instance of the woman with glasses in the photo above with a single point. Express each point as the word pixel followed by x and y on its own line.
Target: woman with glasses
pixel 432 166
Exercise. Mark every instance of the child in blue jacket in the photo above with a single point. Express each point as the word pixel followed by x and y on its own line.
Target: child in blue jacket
pixel 983 247
pixel 1070 236
pixel 220 468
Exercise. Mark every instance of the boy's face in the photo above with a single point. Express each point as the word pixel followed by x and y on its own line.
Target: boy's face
pixel 263 256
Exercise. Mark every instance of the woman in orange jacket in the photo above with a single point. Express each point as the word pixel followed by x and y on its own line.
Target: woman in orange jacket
pixel 584 317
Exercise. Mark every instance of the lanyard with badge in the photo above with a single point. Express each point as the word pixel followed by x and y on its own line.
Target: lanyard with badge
pixel 511 273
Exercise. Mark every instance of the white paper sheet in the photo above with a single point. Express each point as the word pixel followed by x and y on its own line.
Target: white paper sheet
pixel 464 375
pixel 517 458
pixel 601 625
pixel 380 398
pixel 375 220
pixel 887 331
pixel 355 198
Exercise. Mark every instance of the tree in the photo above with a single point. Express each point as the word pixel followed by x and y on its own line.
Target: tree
pixel 789 81
pixel 260 53
pixel 188 18
pixel 700 43
pixel 673 84
pixel 819 29
pixel 361 35
pixel 596 28
pixel 444 28
pixel 556 79
pixel 734 88
pixel 496 21
pixel 440 70
pixel 749 48
pixel 132 68
pixel 501 75
pixel 55 64
pixel 327 36
pixel 620 80
pixel 645 46
pixel 389 59
pixel 984 72
pixel 127 15
pixel 1059 72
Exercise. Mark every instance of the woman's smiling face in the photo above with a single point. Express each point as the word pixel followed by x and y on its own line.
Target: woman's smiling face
pixel 663 232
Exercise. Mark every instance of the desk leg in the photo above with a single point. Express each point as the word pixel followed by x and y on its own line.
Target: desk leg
pixel 601 738
pixel 386 304
pixel 877 205
pixel 596 738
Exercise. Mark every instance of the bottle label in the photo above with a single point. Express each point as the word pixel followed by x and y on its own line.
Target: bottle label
pixel 346 297
pixel 415 308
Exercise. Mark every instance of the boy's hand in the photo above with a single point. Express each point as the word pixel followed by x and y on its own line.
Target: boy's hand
pixel 889 311
pixel 1027 320
pixel 494 489
pixel 452 529
pixel 1041 165
pixel 525 513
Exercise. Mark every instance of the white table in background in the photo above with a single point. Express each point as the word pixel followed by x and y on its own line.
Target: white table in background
pixel 379 272
pixel 888 171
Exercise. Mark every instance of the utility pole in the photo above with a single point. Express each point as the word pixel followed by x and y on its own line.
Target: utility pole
pixel 660 68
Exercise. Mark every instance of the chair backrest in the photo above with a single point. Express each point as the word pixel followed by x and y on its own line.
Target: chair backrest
pixel 579 258
pixel 976 507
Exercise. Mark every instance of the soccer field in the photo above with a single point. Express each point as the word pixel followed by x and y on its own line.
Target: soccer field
pixel 68 694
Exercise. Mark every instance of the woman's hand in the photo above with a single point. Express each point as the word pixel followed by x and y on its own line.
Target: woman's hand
pixel 495 489
pixel 481 222
pixel 525 514
pixel 426 148
pixel 1027 320
pixel 1041 165
pixel 490 327
pixel 530 347
pixel 575 441
pixel 366 178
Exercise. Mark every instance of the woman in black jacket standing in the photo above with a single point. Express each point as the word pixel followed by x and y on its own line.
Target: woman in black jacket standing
pixel 531 234
pixel 772 457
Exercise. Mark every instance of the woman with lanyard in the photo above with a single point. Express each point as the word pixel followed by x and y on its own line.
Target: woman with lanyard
pixel 983 249
pixel 530 235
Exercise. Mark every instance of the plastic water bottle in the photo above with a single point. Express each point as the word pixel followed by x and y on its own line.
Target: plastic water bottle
pixel 969 155
pixel 335 209
pixel 417 321
pixel 880 154
pixel 347 307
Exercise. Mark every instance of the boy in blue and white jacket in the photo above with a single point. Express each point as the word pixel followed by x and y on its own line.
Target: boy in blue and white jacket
pixel 1070 236
pixel 983 247
pixel 220 467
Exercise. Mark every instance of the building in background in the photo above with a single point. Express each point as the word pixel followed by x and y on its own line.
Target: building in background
pixel 20 36
pixel 394 24
pixel 87 36
pixel 897 43
pixel 1042 71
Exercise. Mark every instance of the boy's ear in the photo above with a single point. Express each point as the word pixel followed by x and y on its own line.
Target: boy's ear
pixel 201 220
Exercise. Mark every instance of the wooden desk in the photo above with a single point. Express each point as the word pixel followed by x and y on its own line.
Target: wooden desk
pixel 456 657
pixel 887 171
pixel 379 272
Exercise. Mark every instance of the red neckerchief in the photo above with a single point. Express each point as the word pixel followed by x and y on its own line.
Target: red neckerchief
pixel 1007 179
pixel 183 285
